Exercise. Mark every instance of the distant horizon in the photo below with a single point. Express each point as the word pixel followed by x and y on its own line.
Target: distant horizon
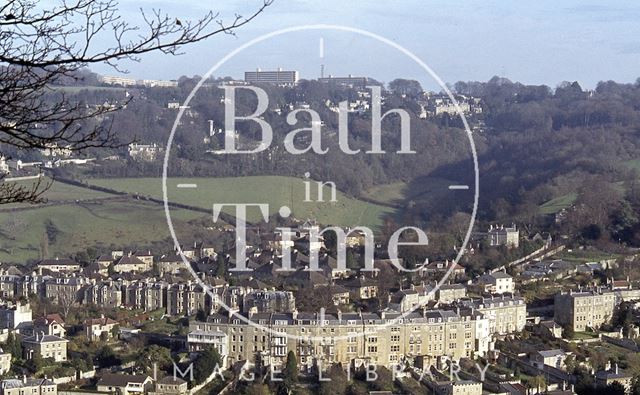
pixel 301 78
pixel 537 43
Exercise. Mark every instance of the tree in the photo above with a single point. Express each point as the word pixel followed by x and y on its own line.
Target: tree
pixel 206 363
pixel 290 371
pixel 44 45
pixel 405 87
pixel 66 299
pixel 106 357
pixel 635 386
pixel 568 332
pixel 615 388
pixel 35 363
pixel 338 381
pixel 154 354
pixel 221 268
pixel 13 346
pixel 538 382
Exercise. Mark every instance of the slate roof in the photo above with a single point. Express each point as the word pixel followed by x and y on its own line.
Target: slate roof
pixel 121 380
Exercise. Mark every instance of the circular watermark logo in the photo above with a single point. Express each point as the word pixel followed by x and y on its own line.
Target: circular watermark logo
pixel 233 148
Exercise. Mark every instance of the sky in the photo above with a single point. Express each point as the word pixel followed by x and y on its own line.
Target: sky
pixel 537 42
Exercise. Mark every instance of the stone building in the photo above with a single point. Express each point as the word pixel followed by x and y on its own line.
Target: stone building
pixel 584 309
pixel 506 314
pixel 269 301
pixel 48 346
pixel 28 386
pixel 503 236
pixel 373 338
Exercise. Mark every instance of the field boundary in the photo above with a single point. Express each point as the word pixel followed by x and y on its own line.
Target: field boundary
pixel 228 218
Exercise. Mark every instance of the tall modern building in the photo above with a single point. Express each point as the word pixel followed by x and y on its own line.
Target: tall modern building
pixel 277 77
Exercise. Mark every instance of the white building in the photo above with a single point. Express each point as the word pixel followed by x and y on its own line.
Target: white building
pixel 503 236
pixel 144 152
pixel 496 283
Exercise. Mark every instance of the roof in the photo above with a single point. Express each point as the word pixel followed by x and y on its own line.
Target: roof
pixel 30 382
pixel 50 319
pixel 129 260
pixel 612 374
pixel 171 380
pixel 58 262
pixel 500 274
pixel 122 380
pixel 100 321
pixel 39 339
pixel 446 287
pixel 551 353
pixel 442 266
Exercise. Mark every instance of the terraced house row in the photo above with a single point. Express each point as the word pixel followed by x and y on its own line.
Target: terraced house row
pixel 149 294
pixel 384 338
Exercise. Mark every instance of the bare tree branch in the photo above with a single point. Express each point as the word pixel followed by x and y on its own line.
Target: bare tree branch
pixel 40 47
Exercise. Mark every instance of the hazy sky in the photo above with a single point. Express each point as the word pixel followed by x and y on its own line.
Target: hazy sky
pixel 537 42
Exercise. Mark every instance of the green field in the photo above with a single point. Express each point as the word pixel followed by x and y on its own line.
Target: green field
pixel 387 193
pixel 633 164
pixel 58 192
pixel 117 223
pixel 559 203
pixel 277 191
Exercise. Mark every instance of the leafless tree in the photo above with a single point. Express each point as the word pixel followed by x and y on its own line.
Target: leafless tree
pixel 42 44
pixel 66 298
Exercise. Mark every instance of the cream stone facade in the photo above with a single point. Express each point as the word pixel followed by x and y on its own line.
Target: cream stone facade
pixel 584 309
pixel 374 338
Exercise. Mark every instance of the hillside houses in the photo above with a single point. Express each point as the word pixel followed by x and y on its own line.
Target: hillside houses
pixel 145 152
pixel 97 328
pixel 50 324
pixel 47 346
pixel 131 264
pixel 496 283
pixel 58 265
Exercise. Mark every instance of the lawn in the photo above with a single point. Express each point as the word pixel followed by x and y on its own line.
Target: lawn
pixel 78 226
pixel 588 255
pixel 276 191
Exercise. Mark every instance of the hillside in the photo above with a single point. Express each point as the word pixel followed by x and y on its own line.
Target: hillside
pixel 70 228
pixel 277 191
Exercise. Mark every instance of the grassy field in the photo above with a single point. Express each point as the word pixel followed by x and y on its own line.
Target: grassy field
pixel 582 256
pixel 59 191
pixel 83 225
pixel 557 204
pixel 633 164
pixel 387 193
pixel 275 190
